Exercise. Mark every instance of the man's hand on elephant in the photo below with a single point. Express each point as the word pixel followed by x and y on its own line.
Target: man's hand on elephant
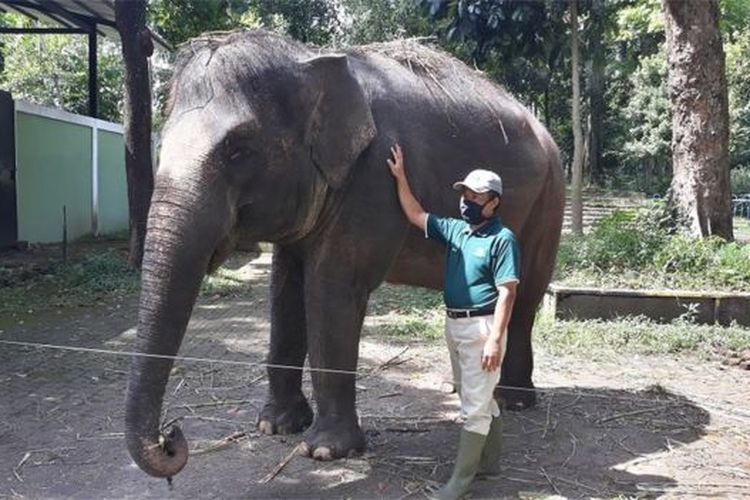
pixel 396 162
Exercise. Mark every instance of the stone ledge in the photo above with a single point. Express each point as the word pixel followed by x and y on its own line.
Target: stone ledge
pixel 659 305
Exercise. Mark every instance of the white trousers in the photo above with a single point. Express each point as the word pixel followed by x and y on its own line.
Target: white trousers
pixel 475 386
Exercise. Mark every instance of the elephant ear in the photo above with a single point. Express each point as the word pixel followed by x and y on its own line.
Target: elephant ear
pixel 339 125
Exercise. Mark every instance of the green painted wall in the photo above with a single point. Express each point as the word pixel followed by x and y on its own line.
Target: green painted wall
pixel 113 191
pixel 53 161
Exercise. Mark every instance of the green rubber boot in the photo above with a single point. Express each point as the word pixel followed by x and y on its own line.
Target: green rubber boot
pixel 489 465
pixel 467 463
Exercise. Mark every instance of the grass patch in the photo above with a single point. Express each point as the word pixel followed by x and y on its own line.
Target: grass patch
pixel 84 281
pixel 226 282
pixel 636 335
pixel 407 312
pixel 89 279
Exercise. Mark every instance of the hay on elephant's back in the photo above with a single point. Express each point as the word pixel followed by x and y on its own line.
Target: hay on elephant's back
pixel 412 53
pixel 445 71
pixel 425 61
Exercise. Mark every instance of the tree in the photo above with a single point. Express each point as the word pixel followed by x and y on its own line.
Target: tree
pixel 576 188
pixel 700 117
pixel 595 88
pixel 313 21
pixel 365 21
pixel 643 149
pixel 137 47
pixel 179 20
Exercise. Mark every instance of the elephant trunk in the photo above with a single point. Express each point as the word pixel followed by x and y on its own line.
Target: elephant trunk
pixel 181 238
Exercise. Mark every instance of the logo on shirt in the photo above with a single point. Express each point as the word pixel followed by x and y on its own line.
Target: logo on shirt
pixel 480 252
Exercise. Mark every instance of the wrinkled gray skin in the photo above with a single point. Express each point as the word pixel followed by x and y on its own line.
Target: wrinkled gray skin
pixel 268 140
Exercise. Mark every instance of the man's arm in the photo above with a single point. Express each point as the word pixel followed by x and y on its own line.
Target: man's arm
pixel 409 204
pixel 494 347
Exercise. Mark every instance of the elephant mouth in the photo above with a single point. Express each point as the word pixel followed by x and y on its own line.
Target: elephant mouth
pixel 222 252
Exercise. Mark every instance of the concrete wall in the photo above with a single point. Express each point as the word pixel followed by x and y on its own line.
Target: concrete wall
pixel 113 185
pixel 664 306
pixel 71 161
pixel 53 171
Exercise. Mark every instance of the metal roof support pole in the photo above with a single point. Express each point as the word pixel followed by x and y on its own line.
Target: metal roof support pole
pixel 95 180
pixel 93 74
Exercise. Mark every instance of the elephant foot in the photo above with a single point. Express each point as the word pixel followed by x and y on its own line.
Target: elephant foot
pixel 285 417
pixel 333 438
pixel 516 399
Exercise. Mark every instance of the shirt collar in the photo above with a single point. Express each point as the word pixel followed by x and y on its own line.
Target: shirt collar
pixel 487 229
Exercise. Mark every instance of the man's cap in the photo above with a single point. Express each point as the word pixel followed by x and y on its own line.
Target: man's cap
pixel 481 181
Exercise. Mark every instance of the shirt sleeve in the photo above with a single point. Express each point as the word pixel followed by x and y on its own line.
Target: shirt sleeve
pixel 506 265
pixel 439 228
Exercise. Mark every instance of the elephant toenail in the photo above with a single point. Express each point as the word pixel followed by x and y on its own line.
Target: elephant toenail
pixel 323 453
pixel 266 427
pixel 304 449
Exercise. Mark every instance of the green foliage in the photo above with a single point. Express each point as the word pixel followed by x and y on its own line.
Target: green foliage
pixel 636 21
pixel 620 242
pixel 367 22
pixel 639 249
pixel 639 144
pixel 649 113
pixel 740 180
pixel 735 16
pixel 728 264
pixel 738 81
pixel 52 70
pixel 313 21
pixel 179 20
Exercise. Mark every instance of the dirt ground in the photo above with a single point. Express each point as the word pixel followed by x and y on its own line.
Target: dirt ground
pixel 634 427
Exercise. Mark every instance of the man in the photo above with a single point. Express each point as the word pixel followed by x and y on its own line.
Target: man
pixel 481 276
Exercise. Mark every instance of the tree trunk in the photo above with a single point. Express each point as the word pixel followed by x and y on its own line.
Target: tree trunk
pixel 596 90
pixel 137 47
pixel 700 117
pixel 576 188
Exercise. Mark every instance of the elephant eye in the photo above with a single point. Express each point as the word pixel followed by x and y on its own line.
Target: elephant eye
pixel 237 153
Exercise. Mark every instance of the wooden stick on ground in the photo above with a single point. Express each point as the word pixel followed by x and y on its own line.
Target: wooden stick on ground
pixel 631 413
pixel 280 466
pixel 223 443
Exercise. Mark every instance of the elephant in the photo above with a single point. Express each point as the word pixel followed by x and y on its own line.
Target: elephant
pixel 269 140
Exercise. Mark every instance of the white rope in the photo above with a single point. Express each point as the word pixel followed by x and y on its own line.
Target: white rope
pixel 174 358
pixel 716 408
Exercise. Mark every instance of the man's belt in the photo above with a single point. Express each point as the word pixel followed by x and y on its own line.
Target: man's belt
pixel 468 313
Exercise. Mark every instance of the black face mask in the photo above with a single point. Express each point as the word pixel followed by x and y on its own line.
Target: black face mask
pixel 471 212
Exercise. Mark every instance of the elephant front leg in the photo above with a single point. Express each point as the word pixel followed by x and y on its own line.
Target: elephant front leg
pixel 286 410
pixel 335 312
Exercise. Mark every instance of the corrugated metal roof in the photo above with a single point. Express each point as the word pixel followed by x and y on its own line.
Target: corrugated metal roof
pixel 80 14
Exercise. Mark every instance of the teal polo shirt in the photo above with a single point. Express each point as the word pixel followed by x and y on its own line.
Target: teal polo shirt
pixel 475 262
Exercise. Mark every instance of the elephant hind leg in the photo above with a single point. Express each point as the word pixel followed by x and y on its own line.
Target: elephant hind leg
pixel 539 242
pixel 286 410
